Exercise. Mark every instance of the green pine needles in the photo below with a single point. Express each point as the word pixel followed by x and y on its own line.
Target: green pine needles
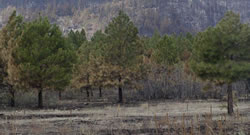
pixel 221 53
pixel 43 57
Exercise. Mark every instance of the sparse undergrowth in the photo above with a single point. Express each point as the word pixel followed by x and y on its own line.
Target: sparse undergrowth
pixel 193 118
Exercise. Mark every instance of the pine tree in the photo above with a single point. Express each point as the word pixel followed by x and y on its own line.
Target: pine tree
pixel 9 40
pixel 99 69
pixel 123 50
pixel 167 51
pixel 82 69
pixel 221 53
pixel 151 42
pixel 43 57
pixel 76 39
pixel 90 68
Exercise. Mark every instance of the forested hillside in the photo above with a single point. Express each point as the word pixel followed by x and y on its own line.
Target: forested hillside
pixel 166 16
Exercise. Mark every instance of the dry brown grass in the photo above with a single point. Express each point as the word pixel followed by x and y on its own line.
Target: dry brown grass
pixel 200 118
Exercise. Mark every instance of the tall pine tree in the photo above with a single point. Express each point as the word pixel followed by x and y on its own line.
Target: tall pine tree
pixel 123 51
pixel 81 78
pixel 221 53
pixel 43 57
pixel 10 36
pixel 76 38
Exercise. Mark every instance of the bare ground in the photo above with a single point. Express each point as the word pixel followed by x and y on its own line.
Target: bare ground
pixel 165 117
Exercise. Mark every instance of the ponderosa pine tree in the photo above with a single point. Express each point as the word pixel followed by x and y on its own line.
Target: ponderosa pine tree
pixel 167 51
pixel 150 44
pixel 76 39
pixel 103 73
pixel 43 57
pixel 100 70
pixel 92 72
pixel 165 55
pixel 123 51
pixel 221 53
pixel 81 78
pixel 184 44
pixel 10 36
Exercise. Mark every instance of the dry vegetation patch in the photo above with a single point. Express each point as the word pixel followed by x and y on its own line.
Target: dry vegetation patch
pixel 147 118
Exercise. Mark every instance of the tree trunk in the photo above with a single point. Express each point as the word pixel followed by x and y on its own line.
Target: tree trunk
pixel 120 92
pixel 247 88
pixel 179 93
pixel 40 98
pixel 88 86
pixel 91 93
pixel 100 92
pixel 81 89
pixel 12 97
pixel 60 95
pixel 87 92
pixel 230 100
pixel 120 95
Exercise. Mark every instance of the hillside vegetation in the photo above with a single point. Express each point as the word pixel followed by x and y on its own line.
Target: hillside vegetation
pixel 166 16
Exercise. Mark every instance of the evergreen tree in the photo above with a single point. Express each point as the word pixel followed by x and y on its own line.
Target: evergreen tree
pixel 166 51
pixel 100 69
pixel 43 57
pixel 221 54
pixel 99 37
pixel 88 71
pixel 123 51
pixel 9 40
pixel 151 43
pixel 184 44
pixel 76 39
pixel 81 77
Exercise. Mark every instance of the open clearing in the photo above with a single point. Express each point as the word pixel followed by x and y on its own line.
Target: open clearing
pixel 166 117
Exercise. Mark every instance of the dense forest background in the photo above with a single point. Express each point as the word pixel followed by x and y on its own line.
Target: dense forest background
pixel 166 16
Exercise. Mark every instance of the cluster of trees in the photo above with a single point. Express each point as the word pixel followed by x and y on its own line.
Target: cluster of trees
pixel 36 55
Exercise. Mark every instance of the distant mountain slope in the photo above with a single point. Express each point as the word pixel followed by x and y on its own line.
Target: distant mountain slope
pixel 167 16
